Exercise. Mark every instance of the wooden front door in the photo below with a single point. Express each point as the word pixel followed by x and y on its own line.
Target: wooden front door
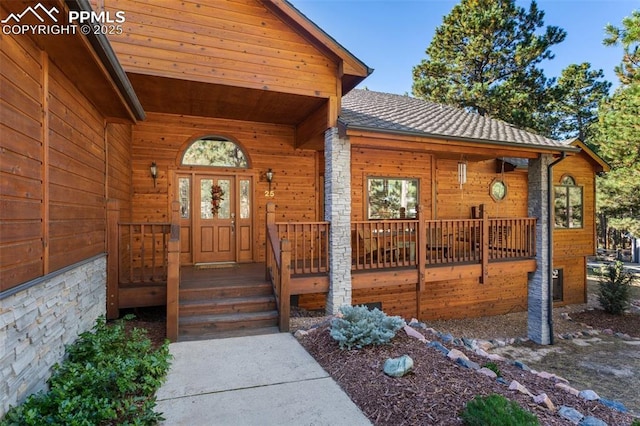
pixel 214 233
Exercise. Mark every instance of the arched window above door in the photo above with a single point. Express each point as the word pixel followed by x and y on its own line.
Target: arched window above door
pixel 215 151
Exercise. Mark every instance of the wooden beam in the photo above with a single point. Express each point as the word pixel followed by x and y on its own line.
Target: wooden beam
pixel 113 260
pixel 310 133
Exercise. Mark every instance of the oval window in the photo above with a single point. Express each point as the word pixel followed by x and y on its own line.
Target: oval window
pixel 498 190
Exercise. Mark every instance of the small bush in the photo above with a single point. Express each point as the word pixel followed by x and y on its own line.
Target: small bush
pixel 496 410
pixel 615 288
pixel 110 376
pixel 493 367
pixel 361 327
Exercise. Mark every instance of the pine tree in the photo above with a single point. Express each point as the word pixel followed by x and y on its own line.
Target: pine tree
pixel 629 37
pixel 578 93
pixel 484 58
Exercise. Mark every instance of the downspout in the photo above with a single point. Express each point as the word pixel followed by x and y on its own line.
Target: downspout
pixel 549 221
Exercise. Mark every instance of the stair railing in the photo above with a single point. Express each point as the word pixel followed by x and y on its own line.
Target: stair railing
pixel 278 268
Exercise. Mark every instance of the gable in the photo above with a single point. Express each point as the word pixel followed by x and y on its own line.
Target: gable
pixel 233 43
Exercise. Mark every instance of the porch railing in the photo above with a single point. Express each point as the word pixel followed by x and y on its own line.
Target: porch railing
pixel 309 246
pixel 143 253
pixel 384 244
pixel 143 249
pixel 278 268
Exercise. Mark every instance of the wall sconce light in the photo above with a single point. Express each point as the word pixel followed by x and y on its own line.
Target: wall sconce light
pixel 269 176
pixel 154 172
pixel 462 173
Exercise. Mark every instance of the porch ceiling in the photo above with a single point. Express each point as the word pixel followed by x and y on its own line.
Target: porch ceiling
pixel 174 96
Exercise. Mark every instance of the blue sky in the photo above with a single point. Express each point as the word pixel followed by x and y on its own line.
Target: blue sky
pixel 391 36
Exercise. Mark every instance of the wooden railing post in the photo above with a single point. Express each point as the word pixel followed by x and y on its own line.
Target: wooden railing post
pixel 173 274
pixel 285 277
pixel 113 259
pixel 421 250
pixel 484 254
pixel 270 219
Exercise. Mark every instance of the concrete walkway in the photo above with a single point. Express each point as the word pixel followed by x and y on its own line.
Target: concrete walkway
pixel 256 380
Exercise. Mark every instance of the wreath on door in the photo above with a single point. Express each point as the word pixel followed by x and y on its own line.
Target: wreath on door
pixel 216 197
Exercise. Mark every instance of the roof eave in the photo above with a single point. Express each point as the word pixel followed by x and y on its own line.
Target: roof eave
pixel 545 148
pixel 105 52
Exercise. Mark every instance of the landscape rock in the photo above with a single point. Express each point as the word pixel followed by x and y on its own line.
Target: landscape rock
pixel 455 354
pixel 496 357
pixel 623 336
pixel 607 331
pixel 592 421
pixel 487 372
pixel 502 381
pixel 438 346
pixel 484 345
pixel 417 324
pixel 446 338
pixel 411 332
pixel 515 385
pixel 521 365
pixel 481 352
pixel 544 400
pixel 466 363
pixel 565 387
pixel 619 406
pixel 571 414
pixel 398 367
pixel 589 395
pixel 299 334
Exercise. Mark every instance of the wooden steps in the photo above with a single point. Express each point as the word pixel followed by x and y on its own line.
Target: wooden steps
pixel 227 310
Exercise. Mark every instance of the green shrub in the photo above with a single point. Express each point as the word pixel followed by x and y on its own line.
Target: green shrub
pixel 496 410
pixel 493 367
pixel 615 288
pixel 361 327
pixel 109 376
pixel 635 422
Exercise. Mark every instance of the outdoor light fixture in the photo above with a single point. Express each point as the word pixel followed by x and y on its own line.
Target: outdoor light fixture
pixel 269 175
pixel 462 173
pixel 154 172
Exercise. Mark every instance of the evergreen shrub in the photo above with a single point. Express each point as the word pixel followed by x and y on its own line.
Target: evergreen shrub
pixel 109 376
pixel 615 288
pixel 361 327
pixel 496 410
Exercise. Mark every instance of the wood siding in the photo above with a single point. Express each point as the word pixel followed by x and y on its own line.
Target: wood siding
pixel 235 43
pixel 21 159
pixel 467 298
pixel 52 176
pixel 163 138
pixel 119 168
pixel 453 202
pixel 572 246
pixel 366 162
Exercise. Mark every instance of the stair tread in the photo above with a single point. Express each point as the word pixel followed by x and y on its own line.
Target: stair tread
pixel 243 316
pixel 227 300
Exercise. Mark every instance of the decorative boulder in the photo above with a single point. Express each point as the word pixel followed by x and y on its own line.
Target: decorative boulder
pixel 398 367
pixel 571 414
pixel 589 395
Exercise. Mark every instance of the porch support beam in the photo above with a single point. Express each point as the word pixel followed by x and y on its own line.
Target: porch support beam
pixel 539 319
pixel 337 182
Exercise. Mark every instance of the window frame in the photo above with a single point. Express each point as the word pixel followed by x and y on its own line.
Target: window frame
pixel 367 205
pixel 213 139
pixel 567 190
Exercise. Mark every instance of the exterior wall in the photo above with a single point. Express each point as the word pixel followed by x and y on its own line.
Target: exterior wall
pixel 21 171
pixel 366 162
pixel 37 323
pixel 467 298
pixel 119 167
pixel 453 202
pixel 163 138
pixel 239 43
pixel 53 168
pixel 572 246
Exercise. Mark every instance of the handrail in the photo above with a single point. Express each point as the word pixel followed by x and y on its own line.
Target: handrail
pixel 278 268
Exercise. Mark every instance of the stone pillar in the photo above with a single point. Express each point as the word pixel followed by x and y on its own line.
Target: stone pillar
pixel 539 295
pixel 337 210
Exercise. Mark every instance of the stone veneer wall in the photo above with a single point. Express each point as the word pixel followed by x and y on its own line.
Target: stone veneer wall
pixel 337 181
pixel 538 294
pixel 37 321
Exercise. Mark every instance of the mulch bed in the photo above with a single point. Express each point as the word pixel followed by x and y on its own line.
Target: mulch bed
pixel 600 320
pixel 437 389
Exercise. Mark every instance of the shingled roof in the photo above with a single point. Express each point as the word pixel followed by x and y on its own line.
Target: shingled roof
pixel 376 111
